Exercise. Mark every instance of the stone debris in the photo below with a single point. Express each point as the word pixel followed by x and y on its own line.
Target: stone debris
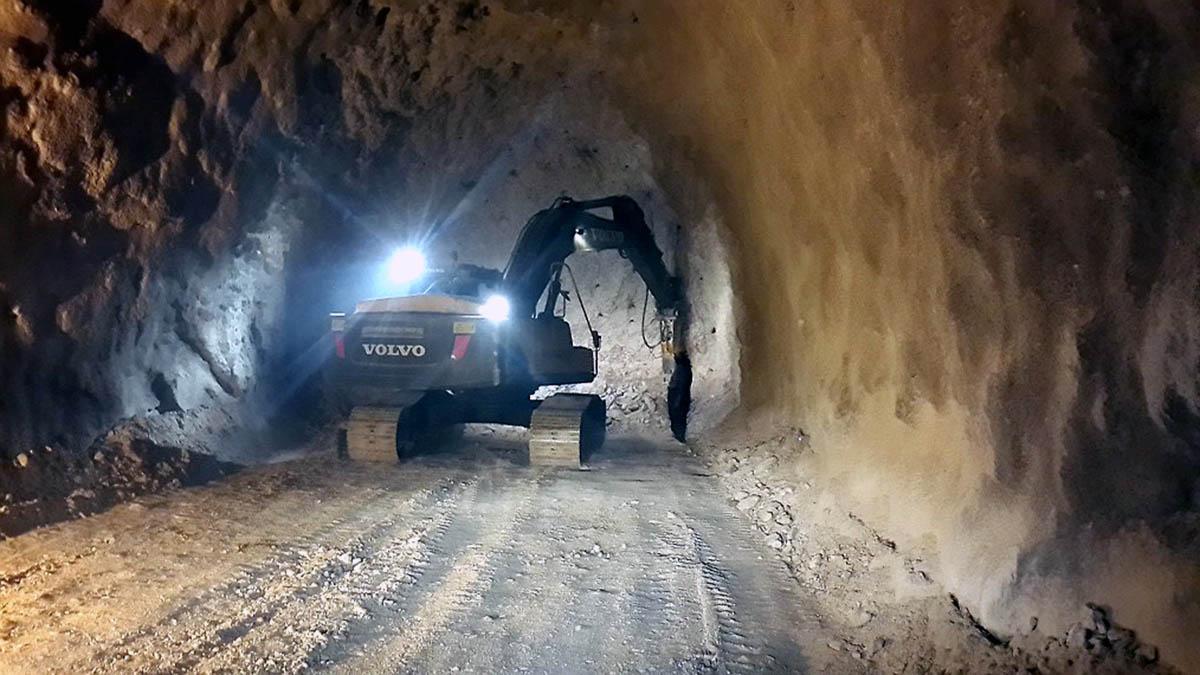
pixel 748 503
pixel 128 462
pixel 861 618
pixel 858 577
pixel 1103 638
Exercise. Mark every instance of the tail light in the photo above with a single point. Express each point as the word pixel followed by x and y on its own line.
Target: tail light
pixel 337 325
pixel 461 344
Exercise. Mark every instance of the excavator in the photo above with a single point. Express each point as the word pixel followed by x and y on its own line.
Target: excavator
pixel 470 344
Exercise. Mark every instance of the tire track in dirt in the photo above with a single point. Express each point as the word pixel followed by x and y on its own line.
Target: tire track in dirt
pixel 636 565
pixel 754 611
pixel 699 580
pixel 224 613
pixel 122 545
pixel 614 582
pixel 306 623
pixel 455 588
pixel 730 650
pixel 658 628
pixel 551 563
pixel 703 579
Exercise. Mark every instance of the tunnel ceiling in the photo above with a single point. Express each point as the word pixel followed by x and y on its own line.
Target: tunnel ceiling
pixel 954 247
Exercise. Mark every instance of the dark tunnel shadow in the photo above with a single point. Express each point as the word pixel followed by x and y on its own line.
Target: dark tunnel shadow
pixel 679 396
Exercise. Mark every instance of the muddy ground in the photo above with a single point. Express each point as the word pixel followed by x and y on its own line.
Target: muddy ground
pixel 468 560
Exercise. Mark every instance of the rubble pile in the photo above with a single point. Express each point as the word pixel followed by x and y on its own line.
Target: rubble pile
pixel 134 458
pixel 888 607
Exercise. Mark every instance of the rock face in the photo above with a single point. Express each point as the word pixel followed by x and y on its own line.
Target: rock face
pixel 132 279
pixel 966 245
pixel 962 240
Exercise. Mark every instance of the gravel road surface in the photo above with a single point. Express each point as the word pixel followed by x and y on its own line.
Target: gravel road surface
pixel 467 561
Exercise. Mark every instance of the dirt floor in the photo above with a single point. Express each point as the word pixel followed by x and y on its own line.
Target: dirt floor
pixel 471 561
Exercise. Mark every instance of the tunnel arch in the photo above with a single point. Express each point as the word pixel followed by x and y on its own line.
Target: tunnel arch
pixel 946 250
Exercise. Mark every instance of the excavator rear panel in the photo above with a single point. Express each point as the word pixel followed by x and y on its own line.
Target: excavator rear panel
pixel 390 352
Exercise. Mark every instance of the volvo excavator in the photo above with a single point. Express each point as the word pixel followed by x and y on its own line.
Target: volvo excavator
pixel 471 345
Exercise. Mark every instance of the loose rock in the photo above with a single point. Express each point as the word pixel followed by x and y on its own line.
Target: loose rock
pixel 748 503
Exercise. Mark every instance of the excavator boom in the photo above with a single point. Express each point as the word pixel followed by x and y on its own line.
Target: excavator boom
pixel 553 234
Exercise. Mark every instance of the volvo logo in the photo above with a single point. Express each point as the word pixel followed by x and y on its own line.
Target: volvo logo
pixel 394 350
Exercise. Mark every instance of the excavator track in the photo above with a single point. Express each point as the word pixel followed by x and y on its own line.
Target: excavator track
pixel 565 429
pixel 370 434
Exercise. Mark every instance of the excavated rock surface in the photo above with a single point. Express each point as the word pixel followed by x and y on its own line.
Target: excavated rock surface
pixel 48 485
pixel 967 241
pixel 190 191
pixel 963 238
pixel 885 597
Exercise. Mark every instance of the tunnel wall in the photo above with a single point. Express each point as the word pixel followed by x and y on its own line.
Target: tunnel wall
pixel 967 241
pixel 964 238
pixel 138 246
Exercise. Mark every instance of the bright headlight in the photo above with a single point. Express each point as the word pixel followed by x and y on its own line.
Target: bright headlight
pixel 405 265
pixel 495 308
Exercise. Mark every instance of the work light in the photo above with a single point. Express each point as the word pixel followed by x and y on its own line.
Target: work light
pixel 495 308
pixel 405 265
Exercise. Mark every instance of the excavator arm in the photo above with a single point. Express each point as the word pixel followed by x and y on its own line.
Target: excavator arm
pixel 553 234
